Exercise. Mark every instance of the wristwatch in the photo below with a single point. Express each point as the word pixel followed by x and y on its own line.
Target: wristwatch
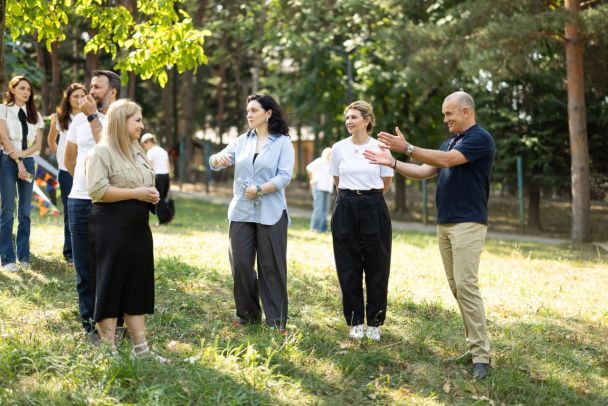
pixel 91 117
pixel 258 191
pixel 409 149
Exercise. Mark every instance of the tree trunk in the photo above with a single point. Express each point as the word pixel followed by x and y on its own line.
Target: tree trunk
pixel 186 125
pixel 577 126
pixel 2 27
pixel 221 102
pixel 44 84
pixel 400 200
pixel 132 86
pixel 534 208
pixel 55 78
pixel 165 122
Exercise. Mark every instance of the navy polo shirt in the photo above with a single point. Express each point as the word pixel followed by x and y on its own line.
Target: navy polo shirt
pixel 463 190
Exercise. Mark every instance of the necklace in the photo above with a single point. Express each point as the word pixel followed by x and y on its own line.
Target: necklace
pixel 357 147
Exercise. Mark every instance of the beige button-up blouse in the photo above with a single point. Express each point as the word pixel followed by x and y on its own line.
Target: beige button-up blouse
pixel 105 167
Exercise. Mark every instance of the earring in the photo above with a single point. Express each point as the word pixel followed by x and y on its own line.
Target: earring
pixel 267 119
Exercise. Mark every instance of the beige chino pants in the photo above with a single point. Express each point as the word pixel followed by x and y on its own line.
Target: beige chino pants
pixel 460 245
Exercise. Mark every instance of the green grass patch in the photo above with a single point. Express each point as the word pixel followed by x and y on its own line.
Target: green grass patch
pixel 546 305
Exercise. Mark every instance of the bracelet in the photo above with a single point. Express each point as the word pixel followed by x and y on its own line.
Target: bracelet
pixel 395 164
pixel 10 153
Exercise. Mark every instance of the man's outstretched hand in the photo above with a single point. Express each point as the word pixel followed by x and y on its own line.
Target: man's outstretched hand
pixel 395 143
pixel 382 157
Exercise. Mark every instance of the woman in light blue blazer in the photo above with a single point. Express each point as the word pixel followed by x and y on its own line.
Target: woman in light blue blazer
pixel 263 159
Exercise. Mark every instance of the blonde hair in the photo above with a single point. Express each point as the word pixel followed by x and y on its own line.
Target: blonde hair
pixel 115 131
pixel 366 111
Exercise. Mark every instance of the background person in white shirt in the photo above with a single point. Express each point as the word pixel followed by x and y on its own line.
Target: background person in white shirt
pixel 361 224
pixel 322 184
pixel 159 158
pixel 82 136
pixel 68 108
pixel 21 134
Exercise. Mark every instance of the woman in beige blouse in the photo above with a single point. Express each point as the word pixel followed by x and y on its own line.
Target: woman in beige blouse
pixel 120 183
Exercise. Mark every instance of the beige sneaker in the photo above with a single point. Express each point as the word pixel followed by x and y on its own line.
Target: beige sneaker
pixel 142 351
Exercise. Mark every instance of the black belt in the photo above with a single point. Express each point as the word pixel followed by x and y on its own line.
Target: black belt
pixel 360 192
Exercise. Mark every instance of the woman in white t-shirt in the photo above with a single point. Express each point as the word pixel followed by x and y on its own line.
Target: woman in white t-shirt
pixel 21 134
pixel 361 224
pixel 60 123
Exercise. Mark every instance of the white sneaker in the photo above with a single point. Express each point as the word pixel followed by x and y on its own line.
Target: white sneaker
pixel 373 333
pixel 12 267
pixel 356 332
pixel 24 265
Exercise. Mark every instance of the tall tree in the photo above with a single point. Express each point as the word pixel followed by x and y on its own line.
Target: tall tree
pixel 577 125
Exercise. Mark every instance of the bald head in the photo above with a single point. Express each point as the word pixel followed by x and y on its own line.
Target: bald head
pixel 463 99
pixel 458 111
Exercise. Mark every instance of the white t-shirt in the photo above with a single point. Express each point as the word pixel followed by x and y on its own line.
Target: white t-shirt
pixel 320 174
pixel 62 134
pixel 80 134
pixel 354 170
pixel 159 159
pixel 9 113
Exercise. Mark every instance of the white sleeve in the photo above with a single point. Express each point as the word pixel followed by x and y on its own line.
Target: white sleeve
pixel 40 123
pixel 334 163
pixel 3 112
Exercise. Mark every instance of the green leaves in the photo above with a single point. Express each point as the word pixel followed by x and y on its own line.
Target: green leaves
pixel 153 37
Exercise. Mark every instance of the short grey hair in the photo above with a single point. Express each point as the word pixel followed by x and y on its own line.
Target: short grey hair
pixel 463 99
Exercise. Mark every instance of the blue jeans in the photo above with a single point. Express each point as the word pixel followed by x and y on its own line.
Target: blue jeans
pixel 320 207
pixel 65 184
pixel 78 214
pixel 11 188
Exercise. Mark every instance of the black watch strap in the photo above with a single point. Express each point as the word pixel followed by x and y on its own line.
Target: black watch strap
pixel 91 117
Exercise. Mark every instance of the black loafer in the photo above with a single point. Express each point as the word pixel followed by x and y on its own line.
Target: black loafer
pixel 481 370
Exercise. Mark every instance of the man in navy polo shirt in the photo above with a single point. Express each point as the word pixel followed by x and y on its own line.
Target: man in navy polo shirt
pixel 463 165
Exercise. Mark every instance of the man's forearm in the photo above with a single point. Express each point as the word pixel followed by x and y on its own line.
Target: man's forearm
pixel 414 171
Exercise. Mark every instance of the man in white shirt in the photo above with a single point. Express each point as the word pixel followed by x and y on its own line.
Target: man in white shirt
pixel 83 134
pixel 159 158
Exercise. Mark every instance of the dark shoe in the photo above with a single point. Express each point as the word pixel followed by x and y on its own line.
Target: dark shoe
pixel 93 338
pixel 120 332
pixel 481 370
pixel 464 359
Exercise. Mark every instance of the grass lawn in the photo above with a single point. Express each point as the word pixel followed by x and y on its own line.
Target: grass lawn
pixel 547 309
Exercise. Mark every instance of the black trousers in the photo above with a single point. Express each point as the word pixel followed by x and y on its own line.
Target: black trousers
pixel 362 236
pixel 163 209
pixel 269 244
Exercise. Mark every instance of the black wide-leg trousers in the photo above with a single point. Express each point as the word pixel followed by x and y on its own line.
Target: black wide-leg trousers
pixel 362 236
pixel 269 244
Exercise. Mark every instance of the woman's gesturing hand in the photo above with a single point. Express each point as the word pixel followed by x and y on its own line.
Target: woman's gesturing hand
pixel 222 160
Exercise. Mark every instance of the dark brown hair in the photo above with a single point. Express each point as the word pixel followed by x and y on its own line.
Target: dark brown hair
pixel 9 98
pixel 65 109
pixel 276 123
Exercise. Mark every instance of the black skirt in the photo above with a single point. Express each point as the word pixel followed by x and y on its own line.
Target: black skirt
pixel 122 259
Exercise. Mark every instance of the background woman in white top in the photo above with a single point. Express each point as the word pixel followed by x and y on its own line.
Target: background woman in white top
pixel 361 224
pixel 21 134
pixel 60 122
